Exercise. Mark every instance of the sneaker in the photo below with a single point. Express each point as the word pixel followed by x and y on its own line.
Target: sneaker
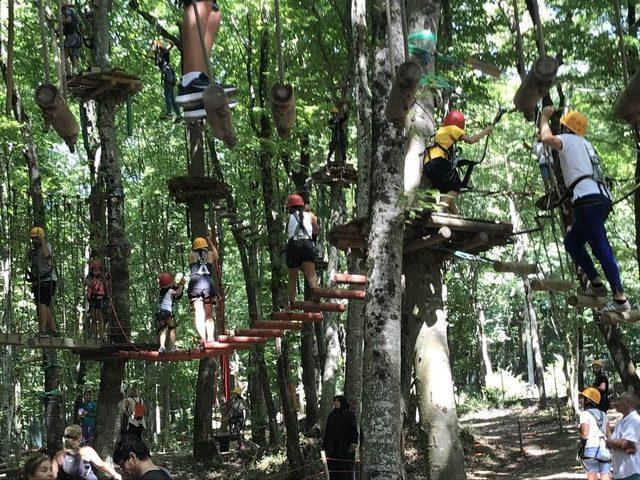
pixel 592 290
pixel 161 350
pixel 614 306
pixel 193 92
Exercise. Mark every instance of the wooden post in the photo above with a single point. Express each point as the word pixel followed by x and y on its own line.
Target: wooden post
pixel 520 437
pixel 628 104
pixel 550 285
pixel 218 114
pixel 521 268
pixel 587 301
pixel 283 108
pixel 535 85
pixel 403 92
pixel 325 465
pixel 443 234
pixel 56 112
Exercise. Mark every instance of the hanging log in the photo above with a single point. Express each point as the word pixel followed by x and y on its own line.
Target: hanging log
pixel 349 279
pixel 56 113
pixel 587 301
pixel 522 268
pixel 279 325
pixel 536 84
pixel 339 293
pixel 317 307
pixel 628 104
pixel 283 108
pixel 443 234
pixel 550 285
pixel 613 318
pixel 216 105
pixel 403 92
pixel 297 317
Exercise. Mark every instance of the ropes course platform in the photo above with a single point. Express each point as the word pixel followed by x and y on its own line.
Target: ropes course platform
pixel 188 187
pixel 336 174
pixel 429 229
pixel 64 343
pixel 99 85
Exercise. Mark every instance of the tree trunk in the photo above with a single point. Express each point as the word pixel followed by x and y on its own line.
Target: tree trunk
pixel 486 368
pixel 433 380
pixel 309 370
pixel 382 450
pixel 532 320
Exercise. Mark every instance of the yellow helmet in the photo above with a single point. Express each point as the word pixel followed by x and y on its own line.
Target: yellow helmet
pixel 157 43
pixel 592 394
pixel 199 243
pixel 36 232
pixel 596 363
pixel 237 390
pixel 576 122
pixel 335 110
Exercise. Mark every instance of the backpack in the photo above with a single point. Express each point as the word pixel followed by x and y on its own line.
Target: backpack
pixel 139 409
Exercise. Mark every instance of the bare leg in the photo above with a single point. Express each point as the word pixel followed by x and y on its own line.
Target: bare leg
pixel 50 322
pixel 172 337
pixel 210 324
pixel 198 307
pixel 309 270
pixel 292 284
pixel 449 198
pixel 163 338
pixel 43 320
pixel 193 60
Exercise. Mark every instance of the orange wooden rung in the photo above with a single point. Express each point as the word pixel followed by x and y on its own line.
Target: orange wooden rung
pixel 340 293
pixel 227 346
pixel 273 324
pixel 260 332
pixel 297 317
pixel 349 279
pixel 239 339
pixel 180 355
pixel 317 307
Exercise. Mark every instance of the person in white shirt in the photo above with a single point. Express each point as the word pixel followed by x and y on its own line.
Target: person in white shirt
pixel 594 431
pixel 591 201
pixel 135 410
pixel 624 440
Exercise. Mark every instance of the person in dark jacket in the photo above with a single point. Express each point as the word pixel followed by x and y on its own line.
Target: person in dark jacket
pixel 340 439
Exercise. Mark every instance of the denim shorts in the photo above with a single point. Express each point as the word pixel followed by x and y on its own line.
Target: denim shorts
pixel 594 466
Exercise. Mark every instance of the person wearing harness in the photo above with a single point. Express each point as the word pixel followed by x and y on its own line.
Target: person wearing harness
pixel 42 276
pixel 238 411
pixel 132 455
pixel 338 144
pixel 168 77
pixel 97 297
pixel 201 291
pixel 72 37
pixel 75 462
pixel 301 251
pixel 625 438
pixel 135 411
pixel 439 161
pixel 601 383
pixel 591 201
pixel 165 322
pixel 594 432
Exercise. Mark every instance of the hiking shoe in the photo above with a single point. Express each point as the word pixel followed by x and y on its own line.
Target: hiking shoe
pixel 161 350
pixel 614 306
pixel 192 93
pixel 592 290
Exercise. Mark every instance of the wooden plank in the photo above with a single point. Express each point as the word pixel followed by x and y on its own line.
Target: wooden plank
pixel 443 234
pixel 317 307
pixel 180 355
pixel 228 346
pixel 349 279
pixel 613 318
pixel 64 343
pixel 521 268
pixel 478 240
pixel 550 285
pixel 13 339
pixel 259 332
pixel 339 293
pixel 270 324
pixel 587 301
pixel 456 222
pixel 239 339
pixel 297 317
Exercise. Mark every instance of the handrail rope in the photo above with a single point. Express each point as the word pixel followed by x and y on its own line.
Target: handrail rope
pixel 202 45
pixel 43 40
pixel 288 472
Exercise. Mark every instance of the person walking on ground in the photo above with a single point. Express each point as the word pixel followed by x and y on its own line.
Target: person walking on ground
pixel 133 457
pixel 624 440
pixel 300 250
pixel 135 411
pixel 37 467
pixel 340 439
pixel 591 201
pixel 76 462
pixel 594 431
pixel 87 415
pixel 601 383
pixel 201 291
pixel 42 276
pixel 165 321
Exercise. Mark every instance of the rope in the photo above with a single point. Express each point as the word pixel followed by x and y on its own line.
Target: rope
pixel 276 9
pixel 43 41
pixel 202 45
pixel 619 32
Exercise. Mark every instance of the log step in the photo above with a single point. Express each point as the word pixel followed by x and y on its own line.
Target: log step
pixel 550 285
pixel 228 345
pixel 587 301
pixel 349 279
pixel 260 332
pixel 180 355
pixel 239 339
pixel 613 318
pixel 278 325
pixel 339 293
pixel 521 268
pixel 297 317
pixel 317 307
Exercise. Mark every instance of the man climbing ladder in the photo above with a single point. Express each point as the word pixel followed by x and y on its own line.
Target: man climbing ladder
pixel 591 201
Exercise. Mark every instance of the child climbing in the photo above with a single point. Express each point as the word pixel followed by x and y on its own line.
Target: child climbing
pixel 194 61
pixel 440 160
pixel 165 322
pixel 201 291
pixel 238 412
pixel 300 250
pixel 72 38
pixel 338 144
pixel 591 201
pixel 42 276
pixel 168 78
pixel 162 54
pixel 97 297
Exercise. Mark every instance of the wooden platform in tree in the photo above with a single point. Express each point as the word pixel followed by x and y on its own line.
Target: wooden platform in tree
pixel 188 187
pixel 335 174
pixel 13 339
pixel 99 85
pixel 428 229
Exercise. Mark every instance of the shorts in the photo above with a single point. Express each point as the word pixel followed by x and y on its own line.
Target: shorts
pixel 594 466
pixel 201 286
pixel 441 175
pixel 88 432
pixel 72 43
pixel 164 319
pixel 186 3
pixel 544 171
pixel 98 302
pixel 43 292
pixel 299 251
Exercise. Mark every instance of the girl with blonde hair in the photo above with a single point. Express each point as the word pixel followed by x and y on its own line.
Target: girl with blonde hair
pixel 75 462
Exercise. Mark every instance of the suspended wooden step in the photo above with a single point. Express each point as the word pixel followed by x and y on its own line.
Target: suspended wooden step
pixel 177 356
pixel 336 174
pixel 216 105
pixel 587 301
pixel 535 85
pixel 185 188
pixel 102 85
pixel 56 113
pixel 628 104
pixel 521 268
pixel 228 345
pixel 550 285
pixel 349 279
pixel 283 108
pixel 339 293
pixel 13 339
pixel 317 307
pixel 260 332
pixel 443 234
pixel 297 317
pixel 613 318
pixel 234 339
pixel 278 325
pixel 64 343
pixel 403 92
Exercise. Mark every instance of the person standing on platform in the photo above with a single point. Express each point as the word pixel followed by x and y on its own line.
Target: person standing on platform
pixel 42 276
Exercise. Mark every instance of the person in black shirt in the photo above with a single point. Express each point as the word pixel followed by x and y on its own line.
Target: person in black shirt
pixel 601 383
pixel 340 439
pixel 132 456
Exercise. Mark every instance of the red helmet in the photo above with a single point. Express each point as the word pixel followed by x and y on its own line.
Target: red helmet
pixel 165 280
pixel 95 265
pixel 295 201
pixel 454 117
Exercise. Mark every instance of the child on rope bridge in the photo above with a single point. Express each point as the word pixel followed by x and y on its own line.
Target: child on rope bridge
pixel 170 292
pixel 591 201
pixel 440 160
pixel 97 297
pixel 201 290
